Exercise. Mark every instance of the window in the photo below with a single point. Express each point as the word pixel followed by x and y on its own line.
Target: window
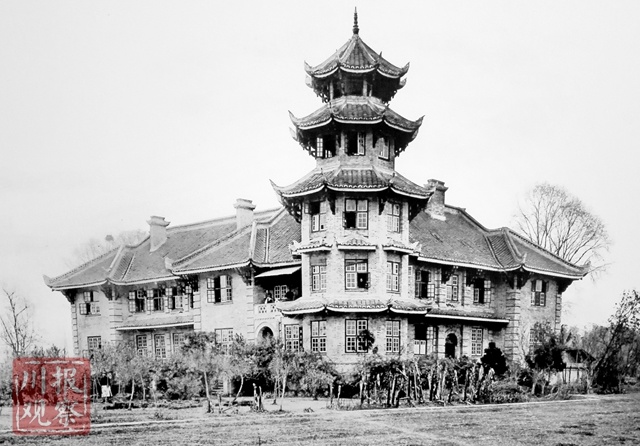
pixel 355 143
pixel 538 293
pixel 356 274
pixel 293 337
pixel 393 217
pixel 476 341
pixel 178 341
pixel 354 340
pixel 384 148
pixel 224 338
pixel 453 288
pixel 88 306
pixel 356 213
pixel 317 212
pixel 160 342
pixel 141 345
pixel 324 146
pixel 393 336
pixel 393 274
pixel 175 301
pixel 319 336
pixel 426 339
pixel 157 300
pixel 136 301
pixel 536 337
pixel 219 289
pixel 279 292
pixel 482 291
pixel 427 283
pixel 318 278
pixel 94 342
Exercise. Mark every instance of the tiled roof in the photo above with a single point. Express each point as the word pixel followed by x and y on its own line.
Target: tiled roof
pixel 459 239
pixel 462 314
pixel 350 109
pixel 212 244
pixel 356 56
pixel 353 179
pixel 89 273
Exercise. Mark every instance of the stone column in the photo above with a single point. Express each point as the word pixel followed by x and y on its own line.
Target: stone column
pixel 115 319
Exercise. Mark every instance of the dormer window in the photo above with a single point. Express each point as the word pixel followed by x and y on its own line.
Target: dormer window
pixel 355 143
pixel 356 214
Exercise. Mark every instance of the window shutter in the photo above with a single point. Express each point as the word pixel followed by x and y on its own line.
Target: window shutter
pixel 476 295
pixel 300 348
pixel 229 288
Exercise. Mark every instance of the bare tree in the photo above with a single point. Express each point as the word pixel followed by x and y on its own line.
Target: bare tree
pixel 559 222
pixel 17 329
pixel 94 248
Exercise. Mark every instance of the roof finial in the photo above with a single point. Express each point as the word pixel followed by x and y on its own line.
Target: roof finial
pixel 356 30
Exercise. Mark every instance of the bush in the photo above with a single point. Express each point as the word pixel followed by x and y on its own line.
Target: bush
pixel 503 392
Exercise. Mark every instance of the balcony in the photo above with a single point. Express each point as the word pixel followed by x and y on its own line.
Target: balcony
pixel 265 312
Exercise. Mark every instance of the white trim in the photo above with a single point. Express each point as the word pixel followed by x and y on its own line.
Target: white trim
pixel 399 192
pixel 71 287
pixel 453 262
pixel 306 192
pixel 408 311
pixel 355 247
pixel 466 318
pixel 214 268
pixel 357 310
pixel 313 126
pixel 310 310
pixel 140 282
pixel 552 274
pixel 280 272
pixel 357 189
pixel 150 327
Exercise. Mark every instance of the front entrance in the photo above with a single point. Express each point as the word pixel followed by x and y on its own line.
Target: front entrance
pixel 265 335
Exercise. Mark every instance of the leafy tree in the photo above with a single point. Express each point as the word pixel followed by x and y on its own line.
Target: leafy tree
pixel 546 356
pixel 202 354
pixel 618 354
pixel 556 220
pixel 494 358
pixel 314 372
pixel 17 331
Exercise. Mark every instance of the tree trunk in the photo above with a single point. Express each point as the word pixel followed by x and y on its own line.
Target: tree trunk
pixel 133 388
pixel 284 385
pixel 239 390
pixel 206 389
pixel 339 391
pixel 393 391
pixel 361 392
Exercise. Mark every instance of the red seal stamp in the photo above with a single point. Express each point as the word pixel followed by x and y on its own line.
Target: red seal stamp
pixel 51 396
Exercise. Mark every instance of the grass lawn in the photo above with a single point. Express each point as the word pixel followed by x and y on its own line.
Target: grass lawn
pixel 599 420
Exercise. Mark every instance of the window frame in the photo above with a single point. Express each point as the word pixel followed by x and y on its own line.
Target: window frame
pixel 142 350
pixel 393 336
pixel 88 306
pixel 357 278
pixel 318 278
pixel 177 340
pixel 482 296
pixel 160 348
pixel 353 336
pixel 224 338
pixel 216 291
pixel 453 288
pixel 293 337
pixel 317 211
pixel 393 276
pixel 429 344
pixel 96 340
pixel 394 214
pixel 477 341
pixel 319 336
pixel 539 293
pixel 356 216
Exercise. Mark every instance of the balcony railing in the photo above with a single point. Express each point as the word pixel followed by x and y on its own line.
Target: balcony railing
pixel 266 310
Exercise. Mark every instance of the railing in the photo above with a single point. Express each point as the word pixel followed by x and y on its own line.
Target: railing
pixel 266 310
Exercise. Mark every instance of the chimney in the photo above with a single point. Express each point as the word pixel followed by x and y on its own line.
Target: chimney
pixel 435 206
pixel 244 212
pixel 158 231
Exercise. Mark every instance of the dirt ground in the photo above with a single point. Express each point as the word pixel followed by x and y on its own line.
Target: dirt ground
pixel 596 420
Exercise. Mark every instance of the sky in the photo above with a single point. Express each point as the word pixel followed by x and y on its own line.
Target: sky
pixel 111 112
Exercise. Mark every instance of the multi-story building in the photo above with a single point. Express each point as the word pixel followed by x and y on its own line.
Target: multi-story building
pixel 358 253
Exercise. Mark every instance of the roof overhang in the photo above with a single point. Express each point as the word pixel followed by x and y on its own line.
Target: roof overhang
pixel 151 327
pixel 279 272
pixel 467 318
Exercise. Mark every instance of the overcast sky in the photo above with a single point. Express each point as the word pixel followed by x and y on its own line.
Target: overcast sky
pixel 114 111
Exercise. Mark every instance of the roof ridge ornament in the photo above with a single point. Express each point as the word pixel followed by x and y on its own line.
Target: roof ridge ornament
pixel 356 29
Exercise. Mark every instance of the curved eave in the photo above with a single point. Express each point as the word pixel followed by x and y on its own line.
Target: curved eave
pixel 397 249
pixel 78 285
pixel 404 311
pixel 316 73
pixel 337 309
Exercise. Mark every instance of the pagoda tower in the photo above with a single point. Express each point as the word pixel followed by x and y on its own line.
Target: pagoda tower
pixel 354 208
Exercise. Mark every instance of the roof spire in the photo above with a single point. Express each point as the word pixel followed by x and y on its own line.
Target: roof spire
pixel 356 30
